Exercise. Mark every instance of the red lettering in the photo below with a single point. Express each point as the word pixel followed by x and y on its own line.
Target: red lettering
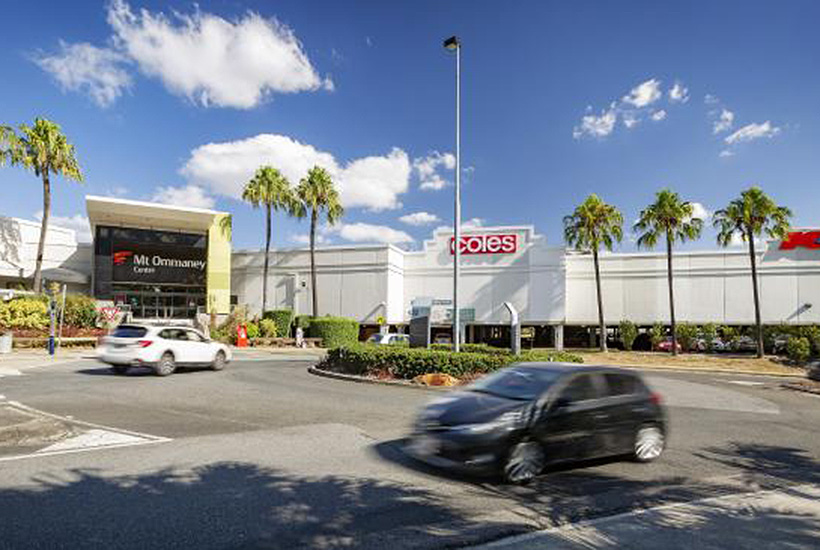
pixel 804 239
pixel 486 244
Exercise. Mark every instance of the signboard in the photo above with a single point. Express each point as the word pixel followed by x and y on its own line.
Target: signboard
pixel 154 263
pixel 801 239
pixel 420 332
pixel 486 244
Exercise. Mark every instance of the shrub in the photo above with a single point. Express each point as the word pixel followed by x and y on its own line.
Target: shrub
pixel 812 334
pixel 656 334
pixel 334 331
pixel 709 331
pixel 408 363
pixel 253 330
pixel 283 319
pixel 628 334
pixel 24 313
pixel 798 349
pixel 268 328
pixel 80 311
pixel 226 332
pixel 686 333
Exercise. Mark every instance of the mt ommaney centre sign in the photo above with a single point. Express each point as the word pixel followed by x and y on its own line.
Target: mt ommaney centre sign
pixel 159 264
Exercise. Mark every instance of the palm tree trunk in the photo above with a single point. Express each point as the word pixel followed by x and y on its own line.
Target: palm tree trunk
pixel 267 254
pixel 671 294
pixel 38 266
pixel 758 324
pixel 601 325
pixel 313 262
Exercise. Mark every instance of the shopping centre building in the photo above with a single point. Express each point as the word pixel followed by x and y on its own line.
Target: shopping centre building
pixel 160 261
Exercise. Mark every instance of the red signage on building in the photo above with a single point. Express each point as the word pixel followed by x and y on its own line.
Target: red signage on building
pixel 804 239
pixel 486 244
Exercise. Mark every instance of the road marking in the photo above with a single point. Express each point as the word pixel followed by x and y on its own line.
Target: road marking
pixel 745 383
pixel 96 437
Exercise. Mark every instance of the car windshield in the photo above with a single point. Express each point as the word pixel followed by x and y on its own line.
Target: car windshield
pixel 126 331
pixel 376 338
pixel 516 383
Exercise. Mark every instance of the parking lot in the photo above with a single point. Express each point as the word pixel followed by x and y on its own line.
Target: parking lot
pixel 265 454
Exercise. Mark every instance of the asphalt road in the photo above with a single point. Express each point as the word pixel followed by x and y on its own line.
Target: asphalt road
pixel 265 455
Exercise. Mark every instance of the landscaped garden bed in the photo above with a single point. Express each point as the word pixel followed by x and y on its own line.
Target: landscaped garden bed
pixel 403 363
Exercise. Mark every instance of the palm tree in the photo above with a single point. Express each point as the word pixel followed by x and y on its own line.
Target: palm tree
pixel 593 224
pixel 668 217
pixel 748 217
pixel 45 150
pixel 316 194
pixel 270 190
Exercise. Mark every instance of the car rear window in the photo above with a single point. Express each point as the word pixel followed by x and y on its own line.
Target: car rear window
pixel 622 384
pixel 126 331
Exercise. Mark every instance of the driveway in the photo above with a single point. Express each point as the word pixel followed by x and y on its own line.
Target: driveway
pixel 265 455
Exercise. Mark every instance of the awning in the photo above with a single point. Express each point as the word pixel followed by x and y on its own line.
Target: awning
pixel 64 275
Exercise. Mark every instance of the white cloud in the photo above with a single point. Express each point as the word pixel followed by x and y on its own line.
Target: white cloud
pixel 473 223
pixel 373 182
pixel 85 68
pixel 678 93
pixel 304 238
pixel 700 211
pixel 78 223
pixel 419 219
pixel 644 94
pixel 752 132
pixel 658 115
pixel 191 196
pixel 630 120
pixel 213 61
pixel 726 153
pixel 365 232
pixel 724 121
pixel 598 126
pixel 710 99
pixel 428 169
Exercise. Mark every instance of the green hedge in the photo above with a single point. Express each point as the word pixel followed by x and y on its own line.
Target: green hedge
pixel 798 349
pixel 411 362
pixel 283 319
pixel 334 331
pixel 303 322
pixel 80 311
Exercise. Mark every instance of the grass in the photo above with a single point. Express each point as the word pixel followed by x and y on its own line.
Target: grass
pixel 741 363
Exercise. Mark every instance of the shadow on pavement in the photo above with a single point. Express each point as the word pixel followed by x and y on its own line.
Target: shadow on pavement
pixel 227 505
pixel 580 491
pixel 137 371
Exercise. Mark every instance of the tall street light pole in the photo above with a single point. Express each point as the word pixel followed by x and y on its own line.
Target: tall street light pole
pixel 453 44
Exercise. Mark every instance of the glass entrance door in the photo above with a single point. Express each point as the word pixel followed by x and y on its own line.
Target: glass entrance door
pixel 161 302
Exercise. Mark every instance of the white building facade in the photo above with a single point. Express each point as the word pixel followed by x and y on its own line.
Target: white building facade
pixel 550 286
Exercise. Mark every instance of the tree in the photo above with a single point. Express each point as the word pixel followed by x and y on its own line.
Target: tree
pixel 671 218
pixel 748 217
pixel 270 190
pixel 593 224
pixel 45 150
pixel 316 194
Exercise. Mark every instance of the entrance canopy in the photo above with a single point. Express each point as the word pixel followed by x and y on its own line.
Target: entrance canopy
pixel 147 215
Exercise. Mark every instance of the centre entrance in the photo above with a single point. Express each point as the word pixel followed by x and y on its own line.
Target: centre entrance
pixel 160 301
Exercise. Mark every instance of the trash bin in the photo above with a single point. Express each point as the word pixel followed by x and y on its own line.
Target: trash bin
pixel 5 342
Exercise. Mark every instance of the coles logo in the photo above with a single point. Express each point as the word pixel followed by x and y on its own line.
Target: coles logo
pixel 486 244
pixel 804 239
pixel 121 257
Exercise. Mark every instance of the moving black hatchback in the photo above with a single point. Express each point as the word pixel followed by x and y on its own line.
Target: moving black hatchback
pixel 519 419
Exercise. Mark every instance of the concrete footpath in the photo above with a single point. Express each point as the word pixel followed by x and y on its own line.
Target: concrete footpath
pixel 783 518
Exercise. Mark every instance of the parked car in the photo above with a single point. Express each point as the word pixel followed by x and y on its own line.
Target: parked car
pixel 715 345
pixel 744 343
pixel 389 339
pixel 162 348
pixel 666 345
pixel 521 418
pixel 443 339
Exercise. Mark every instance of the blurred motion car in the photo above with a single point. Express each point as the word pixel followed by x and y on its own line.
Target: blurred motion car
pixel 161 348
pixel 666 345
pixel 519 419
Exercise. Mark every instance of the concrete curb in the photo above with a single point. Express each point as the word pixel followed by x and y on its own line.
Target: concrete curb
pixel 313 369
pixel 708 371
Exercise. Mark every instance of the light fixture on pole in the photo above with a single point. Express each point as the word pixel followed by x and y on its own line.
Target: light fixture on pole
pixel 453 44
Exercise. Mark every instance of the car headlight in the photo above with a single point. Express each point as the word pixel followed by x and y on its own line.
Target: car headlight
pixel 508 421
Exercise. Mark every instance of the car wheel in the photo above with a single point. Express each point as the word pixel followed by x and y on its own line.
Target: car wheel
pixel 166 365
pixel 219 361
pixel 649 443
pixel 524 461
pixel 119 369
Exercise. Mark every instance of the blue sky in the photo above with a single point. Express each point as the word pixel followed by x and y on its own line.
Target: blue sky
pixel 180 101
